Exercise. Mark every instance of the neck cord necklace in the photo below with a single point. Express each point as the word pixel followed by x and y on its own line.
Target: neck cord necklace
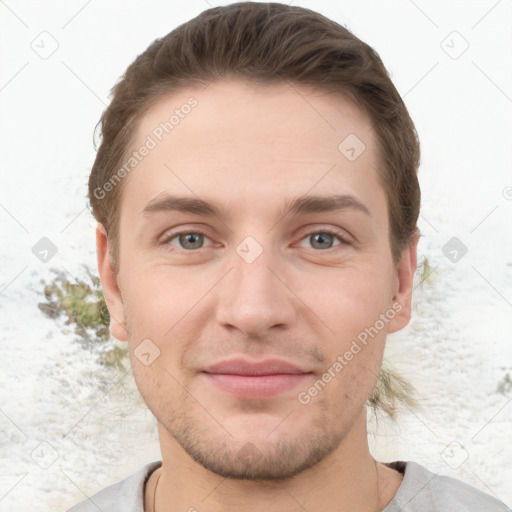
pixel 154 494
pixel 379 496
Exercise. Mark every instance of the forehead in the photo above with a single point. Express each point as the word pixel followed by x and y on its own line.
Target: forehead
pixel 253 143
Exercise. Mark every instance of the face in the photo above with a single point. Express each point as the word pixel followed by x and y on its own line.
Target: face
pixel 256 271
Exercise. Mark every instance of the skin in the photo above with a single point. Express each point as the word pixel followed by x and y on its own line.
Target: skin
pixel 251 150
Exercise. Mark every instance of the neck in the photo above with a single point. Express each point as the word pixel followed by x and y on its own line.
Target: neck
pixel 348 479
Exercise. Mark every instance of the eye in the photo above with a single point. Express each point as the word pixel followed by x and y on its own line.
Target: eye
pixel 191 240
pixel 188 241
pixel 322 240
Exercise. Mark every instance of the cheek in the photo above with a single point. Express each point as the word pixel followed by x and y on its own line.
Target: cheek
pixel 350 305
pixel 156 300
pixel 166 307
pixel 348 300
pixel 159 386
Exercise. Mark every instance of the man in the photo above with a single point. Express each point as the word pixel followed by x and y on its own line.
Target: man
pixel 257 199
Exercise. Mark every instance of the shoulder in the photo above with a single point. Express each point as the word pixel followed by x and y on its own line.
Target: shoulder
pixel 124 496
pixel 422 491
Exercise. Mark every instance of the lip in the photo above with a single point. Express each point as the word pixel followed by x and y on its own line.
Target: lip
pixel 247 379
pixel 240 366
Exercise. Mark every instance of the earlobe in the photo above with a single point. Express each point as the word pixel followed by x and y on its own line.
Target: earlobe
pixel 111 291
pixel 405 269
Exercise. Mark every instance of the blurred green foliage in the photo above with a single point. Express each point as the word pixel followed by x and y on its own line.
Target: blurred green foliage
pixel 82 304
pixel 425 273
pixel 505 385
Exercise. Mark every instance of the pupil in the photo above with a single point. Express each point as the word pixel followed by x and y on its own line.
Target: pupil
pixel 191 241
pixel 322 241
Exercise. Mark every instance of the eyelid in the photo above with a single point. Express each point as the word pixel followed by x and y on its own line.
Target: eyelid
pixel 180 228
pixel 341 233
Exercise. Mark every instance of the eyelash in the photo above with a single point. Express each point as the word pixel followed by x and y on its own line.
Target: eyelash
pixel 336 234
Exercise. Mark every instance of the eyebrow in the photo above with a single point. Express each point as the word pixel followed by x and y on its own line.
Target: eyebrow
pixel 185 205
pixel 319 204
pixel 299 206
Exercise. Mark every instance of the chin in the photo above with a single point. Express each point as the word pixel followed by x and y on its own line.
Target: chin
pixel 262 461
pixel 257 446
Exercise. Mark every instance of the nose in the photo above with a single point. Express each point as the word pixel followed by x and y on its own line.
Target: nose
pixel 255 297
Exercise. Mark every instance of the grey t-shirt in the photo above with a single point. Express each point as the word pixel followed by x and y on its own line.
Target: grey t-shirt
pixel 420 491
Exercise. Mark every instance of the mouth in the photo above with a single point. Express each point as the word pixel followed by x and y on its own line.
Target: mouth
pixel 255 379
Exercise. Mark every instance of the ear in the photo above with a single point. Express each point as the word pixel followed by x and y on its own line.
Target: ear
pixel 402 299
pixel 111 291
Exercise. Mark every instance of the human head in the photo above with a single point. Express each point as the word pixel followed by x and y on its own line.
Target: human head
pixel 254 146
pixel 264 43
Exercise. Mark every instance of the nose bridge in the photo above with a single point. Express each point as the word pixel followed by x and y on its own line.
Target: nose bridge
pixel 253 299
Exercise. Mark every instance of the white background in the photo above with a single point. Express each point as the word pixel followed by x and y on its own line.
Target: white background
pixel 59 407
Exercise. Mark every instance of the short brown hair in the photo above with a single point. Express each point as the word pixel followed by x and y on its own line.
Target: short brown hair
pixel 263 43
